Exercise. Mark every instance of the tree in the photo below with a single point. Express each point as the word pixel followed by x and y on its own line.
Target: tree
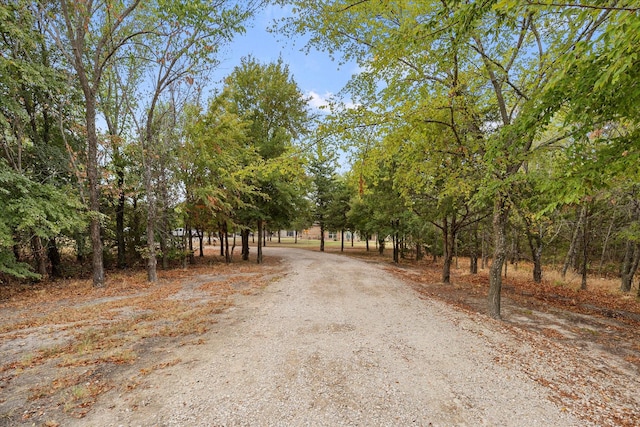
pixel 322 171
pixel 37 101
pixel 338 208
pixel 266 96
pixel 31 207
pixel 487 65
pixel 213 158
pixel 89 34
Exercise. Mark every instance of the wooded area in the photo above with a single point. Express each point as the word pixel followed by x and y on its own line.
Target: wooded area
pixel 498 130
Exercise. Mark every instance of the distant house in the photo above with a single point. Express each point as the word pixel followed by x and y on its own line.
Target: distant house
pixel 313 233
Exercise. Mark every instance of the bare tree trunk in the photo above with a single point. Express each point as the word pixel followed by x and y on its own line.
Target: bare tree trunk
pixel 295 236
pixel 473 262
pixel 54 257
pixel 259 257
pixel 227 255
pixel 585 252
pixel 485 251
pixel 201 242
pixel 448 251
pixel 135 226
pixel 342 240
pixel 321 237
pixel 571 254
pixel 630 265
pixel 39 256
pixel 192 259
pixel 122 250
pixel 94 188
pixel 500 218
pixel 163 225
pixel 185 256
pixel 604 245
pixel 152 274
pixel 233 247
pixel 535 245
pixel 245 244
pixel 396 242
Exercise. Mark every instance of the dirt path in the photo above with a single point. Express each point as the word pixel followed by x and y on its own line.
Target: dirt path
pixel 338 342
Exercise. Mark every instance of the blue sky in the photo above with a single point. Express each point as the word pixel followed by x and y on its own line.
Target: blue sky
pixel 316 74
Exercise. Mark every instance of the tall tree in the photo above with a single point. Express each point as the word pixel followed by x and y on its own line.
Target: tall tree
pixel 37 101
pixel 322 171
pixel 266 96
pixel 89 34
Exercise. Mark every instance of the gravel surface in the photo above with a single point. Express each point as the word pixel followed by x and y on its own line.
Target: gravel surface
pixel 338 341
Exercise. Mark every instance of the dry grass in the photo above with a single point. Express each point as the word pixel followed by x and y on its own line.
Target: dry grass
pixel 105 332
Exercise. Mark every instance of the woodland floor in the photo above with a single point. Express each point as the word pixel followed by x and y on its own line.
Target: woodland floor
pixel 64 345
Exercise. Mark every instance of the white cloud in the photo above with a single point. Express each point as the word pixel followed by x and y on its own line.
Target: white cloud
pixel 324 102
pixel 319 101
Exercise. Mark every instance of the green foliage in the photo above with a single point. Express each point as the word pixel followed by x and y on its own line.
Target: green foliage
pixel 32 209
pixel 267 99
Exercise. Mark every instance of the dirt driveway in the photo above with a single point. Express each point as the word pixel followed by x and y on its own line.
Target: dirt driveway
pixel 341 342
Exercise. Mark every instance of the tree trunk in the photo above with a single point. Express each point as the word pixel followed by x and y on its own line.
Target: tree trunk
pixel 321 237
pixel 164 250
pixel 233 247
pixel 163 223
pixel 535 245
pixel 585 253
pixel 135 226
pixel 367 242
pixel 39 256
pixel 259 257
pixel 473 262
pixel 380 242
pixel 485 250
pixel 604 245
pixel 418 252
pixel 221 238
pixel 396 242
pixel 201 242
pixel 94 188
pixel 152 274
pixel 192 259
pixel 54 257
pixel 448 244
pixel 571 254
pixel 245 244
pixel 295 236
pixel 185 252
pixel 227 254
pixel 342 240
pixel 352 238
pixel 630 265
pixel 122 250
pixel 279 241
pixel 500 218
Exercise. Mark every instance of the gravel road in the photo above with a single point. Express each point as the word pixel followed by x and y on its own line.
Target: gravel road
pixel 338 341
